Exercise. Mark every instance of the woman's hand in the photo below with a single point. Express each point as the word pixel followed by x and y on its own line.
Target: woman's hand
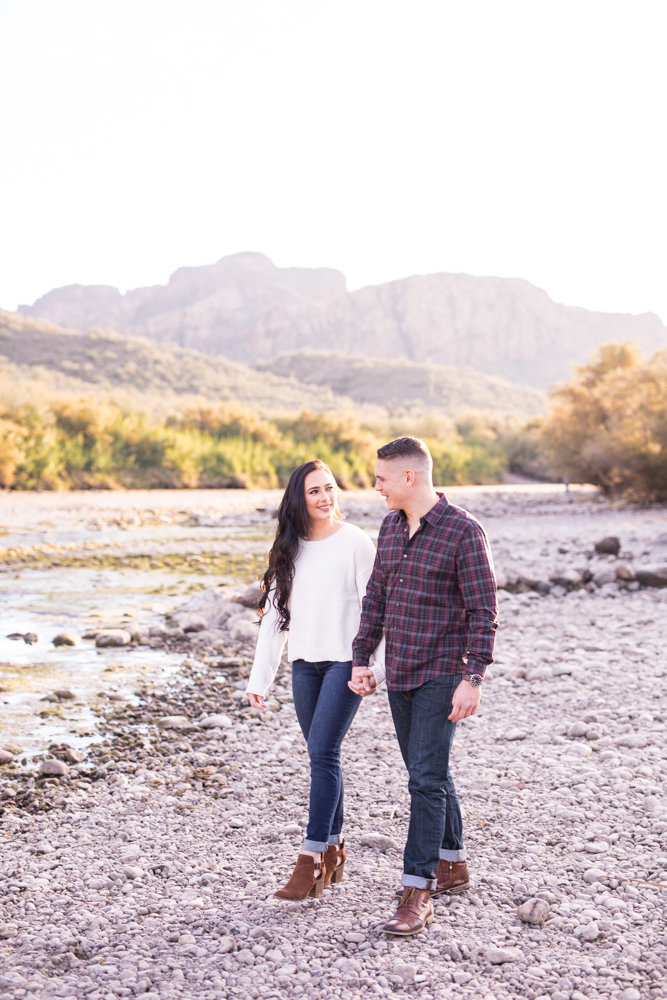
pixel 256 701
pixel 363 681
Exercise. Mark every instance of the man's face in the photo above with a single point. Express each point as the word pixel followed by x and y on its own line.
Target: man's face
pixel 391 480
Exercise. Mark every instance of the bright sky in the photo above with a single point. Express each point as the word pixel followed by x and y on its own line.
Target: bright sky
pixel 521 138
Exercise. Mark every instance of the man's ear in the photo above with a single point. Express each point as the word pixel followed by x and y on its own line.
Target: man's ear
pixel 410 477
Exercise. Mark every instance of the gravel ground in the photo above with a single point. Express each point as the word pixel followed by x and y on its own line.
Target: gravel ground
pixel 148 867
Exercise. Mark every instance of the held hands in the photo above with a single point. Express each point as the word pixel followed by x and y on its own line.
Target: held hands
pixel 363 681
pixel 256 701
pixel 465 701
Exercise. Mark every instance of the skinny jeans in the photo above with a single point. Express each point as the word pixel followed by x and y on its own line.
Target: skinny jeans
pixel 325 708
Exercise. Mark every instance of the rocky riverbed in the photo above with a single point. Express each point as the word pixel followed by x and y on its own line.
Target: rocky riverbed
pixel 144 863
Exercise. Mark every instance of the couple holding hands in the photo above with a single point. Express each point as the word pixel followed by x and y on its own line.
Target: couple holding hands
pixel 419 614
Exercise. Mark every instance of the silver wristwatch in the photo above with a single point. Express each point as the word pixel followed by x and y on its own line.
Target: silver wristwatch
pixel 474 679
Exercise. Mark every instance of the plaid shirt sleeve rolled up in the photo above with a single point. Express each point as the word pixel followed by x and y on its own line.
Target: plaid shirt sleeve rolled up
pixel 433 595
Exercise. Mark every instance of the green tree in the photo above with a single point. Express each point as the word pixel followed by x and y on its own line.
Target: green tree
pixel 609 424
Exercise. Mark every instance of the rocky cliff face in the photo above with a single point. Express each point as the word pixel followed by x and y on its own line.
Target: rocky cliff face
pixel 247 309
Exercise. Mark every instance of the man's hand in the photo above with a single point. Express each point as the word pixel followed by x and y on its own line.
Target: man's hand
pixel 465 701
pixel 363 681
pixel 256 701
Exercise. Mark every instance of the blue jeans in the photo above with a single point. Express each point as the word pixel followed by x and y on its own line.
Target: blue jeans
pixel 325 708
pixel 425 736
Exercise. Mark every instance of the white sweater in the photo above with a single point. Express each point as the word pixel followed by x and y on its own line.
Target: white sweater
pixel 330 577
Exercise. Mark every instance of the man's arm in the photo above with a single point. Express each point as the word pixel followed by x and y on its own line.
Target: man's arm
pixel 371 626
pixel 477 585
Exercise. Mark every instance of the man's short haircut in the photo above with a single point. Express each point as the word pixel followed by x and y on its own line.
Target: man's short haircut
pixel 406 447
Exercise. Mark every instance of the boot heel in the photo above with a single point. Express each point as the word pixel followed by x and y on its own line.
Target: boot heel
pixel 338 874
pixel 318 886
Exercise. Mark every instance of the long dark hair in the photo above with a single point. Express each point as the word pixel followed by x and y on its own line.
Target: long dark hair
pixel 293 525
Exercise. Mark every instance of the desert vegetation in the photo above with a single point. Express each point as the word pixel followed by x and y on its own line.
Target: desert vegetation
pixel 102 411
pixel 89 443
pixel 608 426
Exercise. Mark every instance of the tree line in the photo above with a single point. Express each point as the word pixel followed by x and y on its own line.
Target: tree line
pixel 608 426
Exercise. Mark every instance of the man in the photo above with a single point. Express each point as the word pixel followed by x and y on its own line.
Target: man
pixel 433 592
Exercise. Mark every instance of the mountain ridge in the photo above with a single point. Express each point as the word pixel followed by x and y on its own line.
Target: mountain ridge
pixel 246 309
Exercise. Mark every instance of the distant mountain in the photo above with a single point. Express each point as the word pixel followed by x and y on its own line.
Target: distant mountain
pixel 247 309
pixel 407 385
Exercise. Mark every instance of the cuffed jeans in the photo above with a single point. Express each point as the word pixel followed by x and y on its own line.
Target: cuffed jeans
pixel 425 736
pixel 325 708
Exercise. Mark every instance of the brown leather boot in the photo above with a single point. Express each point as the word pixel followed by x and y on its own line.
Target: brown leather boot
pixel 304 882
pixel 452 877
pixel 413 913
pixel 333 867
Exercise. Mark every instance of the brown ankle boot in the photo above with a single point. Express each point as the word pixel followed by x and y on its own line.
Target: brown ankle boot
pixel 452 877
pixel 335 857
pixel 413 913
pixel 304 882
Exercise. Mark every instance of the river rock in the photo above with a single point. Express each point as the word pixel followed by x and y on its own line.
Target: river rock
pixel 498 956
pixel 193 623
pixel 250 597
pixel 30 638
pixel 533 911
pixel 6 757
pixel 66 639
pixel 52 767
pixel 378 841
pixel 609 546
pixel 652 576
pixel 113 637
pixel 216 721
pixel 604 575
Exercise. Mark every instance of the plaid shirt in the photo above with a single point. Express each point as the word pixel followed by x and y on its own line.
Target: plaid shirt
pixel 434 595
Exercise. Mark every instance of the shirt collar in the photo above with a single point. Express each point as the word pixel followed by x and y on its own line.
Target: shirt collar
pixel 435 514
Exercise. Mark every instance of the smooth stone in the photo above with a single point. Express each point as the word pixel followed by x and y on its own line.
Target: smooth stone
pixel 194 623
pixel 67 639
pixel 174 722
pixel 53 768
pixel 217 721
pixel 113 637
pixel 250 597
pixel 610 546
pixel 6 757
pixel 533 911
pixel 593 875
pixel 405 972
pixel 512 735
pixel 498 956
pixel 378 841
pixel 597 846
pixel 652 576
pixel 132 871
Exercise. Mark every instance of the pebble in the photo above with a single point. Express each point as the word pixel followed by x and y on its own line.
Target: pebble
pixel 533 911
pixel 53 767
pixel 498 956
pixel 6 757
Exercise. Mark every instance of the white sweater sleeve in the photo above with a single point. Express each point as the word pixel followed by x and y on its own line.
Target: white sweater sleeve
pixel 365 563
pixel 268 651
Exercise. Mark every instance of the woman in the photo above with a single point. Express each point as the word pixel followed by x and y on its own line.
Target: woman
pixel 313 587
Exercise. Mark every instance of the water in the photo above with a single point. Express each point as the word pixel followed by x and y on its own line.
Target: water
pixel 120 560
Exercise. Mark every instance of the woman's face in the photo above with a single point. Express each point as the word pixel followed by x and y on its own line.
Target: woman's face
pixel 321 492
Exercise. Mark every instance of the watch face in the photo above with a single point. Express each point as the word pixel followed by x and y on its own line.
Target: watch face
pixel 475 680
